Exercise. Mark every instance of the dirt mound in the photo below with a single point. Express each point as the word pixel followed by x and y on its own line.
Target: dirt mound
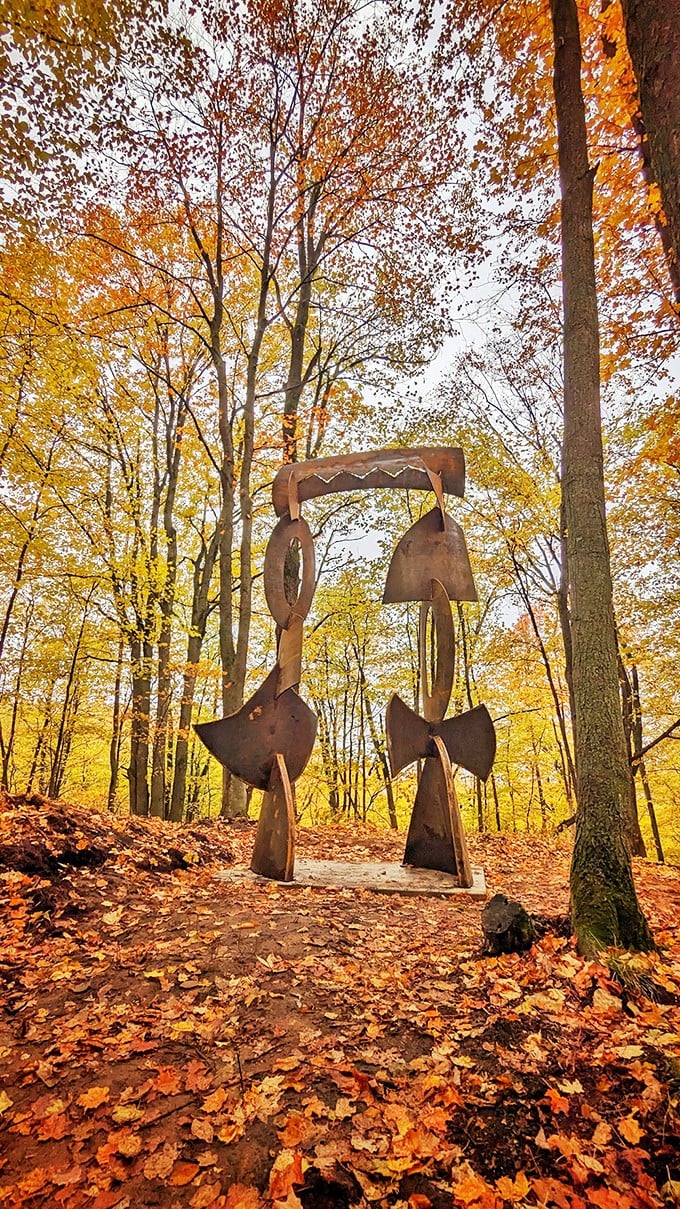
pixel 40 836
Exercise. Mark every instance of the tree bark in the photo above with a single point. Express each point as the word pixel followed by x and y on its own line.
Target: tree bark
pixel 116 729
pixel 141 655
pixel 605 910
pixel 65 733
pixel 635 841
pixel 200 607
pixel 653 38
pixel 7 745
pixel 638 761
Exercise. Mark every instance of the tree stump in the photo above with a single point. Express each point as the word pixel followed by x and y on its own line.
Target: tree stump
pixel 507 927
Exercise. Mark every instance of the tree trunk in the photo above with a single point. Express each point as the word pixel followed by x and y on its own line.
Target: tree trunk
pixel 639 763
pixel 116 729
pixel 40 742
pixel 7 745
pixel 139 727
pixel 635 841
pixel 605 909
pixel 69 708
pixel 496 803
pixel 653 37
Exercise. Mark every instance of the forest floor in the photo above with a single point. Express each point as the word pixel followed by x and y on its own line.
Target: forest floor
pixel 170 1039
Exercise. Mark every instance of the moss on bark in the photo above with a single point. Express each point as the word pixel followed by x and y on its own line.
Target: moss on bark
pixel 604 905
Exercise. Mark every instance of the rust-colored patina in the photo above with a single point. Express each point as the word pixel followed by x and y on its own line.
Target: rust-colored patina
pixel 405 468
pixel 268 742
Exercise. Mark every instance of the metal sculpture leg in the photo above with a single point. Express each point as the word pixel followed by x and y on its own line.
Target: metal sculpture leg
pixel 274 849
pixel 436 839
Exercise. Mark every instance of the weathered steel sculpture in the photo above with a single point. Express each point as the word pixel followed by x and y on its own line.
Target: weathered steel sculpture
pixel 268 742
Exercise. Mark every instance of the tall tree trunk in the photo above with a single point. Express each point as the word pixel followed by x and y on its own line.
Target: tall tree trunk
pixel 377 738
pixel 116 730
pixel 41 740
pixel 204 567
pixel 639 762
pixel 138 772
pixel 65 732
pixel 7 745
pixel 628 723
pixel 653 37
pixel 605 909
pixel 496 803
pixel 557 700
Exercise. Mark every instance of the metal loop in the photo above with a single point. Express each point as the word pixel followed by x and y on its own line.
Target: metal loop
pixel 437 696
pixel 280 542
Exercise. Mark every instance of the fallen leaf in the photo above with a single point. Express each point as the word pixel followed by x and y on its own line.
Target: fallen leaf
pixel 124 1114
pixel 129 1145
pixel 513 1190
pixel 159 1165
pixel 202 1129
pixel 167 1082
pixel 205 1195
pixel 471 1188
pixel 243 1196
pixel 630 1130
pixel 286 1171
pixel 93 1097
pixel 183 1173
pixel 557 1102
pixel 214 1102
pixel 629 1051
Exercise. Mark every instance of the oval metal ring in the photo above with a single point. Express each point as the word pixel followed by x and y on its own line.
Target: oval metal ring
pixel 436 698
pixel 285 533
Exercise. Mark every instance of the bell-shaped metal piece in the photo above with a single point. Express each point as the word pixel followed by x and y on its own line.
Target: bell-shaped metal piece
pixel 433 548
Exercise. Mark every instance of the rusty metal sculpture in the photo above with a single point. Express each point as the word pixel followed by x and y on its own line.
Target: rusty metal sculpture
pixel 268 742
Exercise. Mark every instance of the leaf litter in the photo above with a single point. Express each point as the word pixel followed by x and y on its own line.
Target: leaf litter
pixel 171 1039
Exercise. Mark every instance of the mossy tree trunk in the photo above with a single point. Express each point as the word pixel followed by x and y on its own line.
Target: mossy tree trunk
pixel 605 909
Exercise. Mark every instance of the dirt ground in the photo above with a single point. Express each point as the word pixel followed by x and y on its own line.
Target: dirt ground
pixel 170 1039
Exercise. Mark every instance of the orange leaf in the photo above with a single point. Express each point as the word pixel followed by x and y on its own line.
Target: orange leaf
pixel 159 1165
pixel 168 1081
pixel 202 1129
pixel 552 1192
pixel 93 1097
pixel 557 1102
pixel 286 1171
pixel 296 1130
pixel 214 1102
pixel 205 1195
pixel 605 1199
pixel 183 1173
pixel 471 1189
pixel 198 1078
pixel 513 1190
pixel 567 1145
pixel 242 1196
pixel 630 1130
pixel 129 1144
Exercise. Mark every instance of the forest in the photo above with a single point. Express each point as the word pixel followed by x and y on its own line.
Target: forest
pixel 240 237
pixel 233 240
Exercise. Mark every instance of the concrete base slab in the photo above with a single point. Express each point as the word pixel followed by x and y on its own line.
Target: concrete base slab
pixel 383 878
